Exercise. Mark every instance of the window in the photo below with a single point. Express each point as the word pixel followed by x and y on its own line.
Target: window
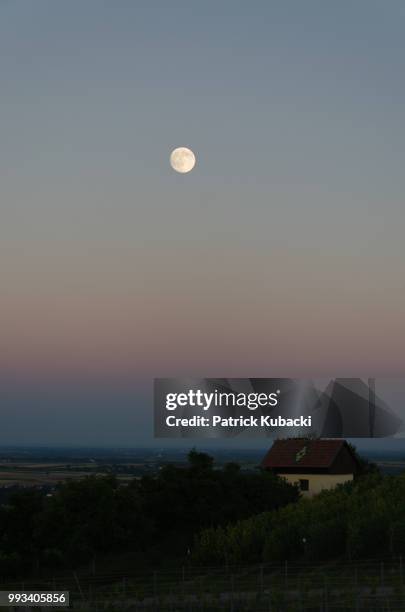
pixel 304 484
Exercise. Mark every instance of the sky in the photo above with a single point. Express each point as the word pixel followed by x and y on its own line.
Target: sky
pixel 281 254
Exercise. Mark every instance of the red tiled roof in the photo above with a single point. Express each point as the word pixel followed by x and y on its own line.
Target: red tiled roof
pixel 302 453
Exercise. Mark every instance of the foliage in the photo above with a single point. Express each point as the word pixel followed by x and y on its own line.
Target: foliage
pixel 361 519
pixel 365 465
pixel 96 515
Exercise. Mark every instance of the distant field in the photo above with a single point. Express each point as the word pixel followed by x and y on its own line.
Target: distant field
pixel 37 466
pixel 32 465
pixel 37 477
pixel 48 467
pixel 41 473
pixel 49 474
pixel 391 467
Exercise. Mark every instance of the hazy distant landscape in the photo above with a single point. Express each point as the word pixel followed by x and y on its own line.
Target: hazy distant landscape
pixel 46 467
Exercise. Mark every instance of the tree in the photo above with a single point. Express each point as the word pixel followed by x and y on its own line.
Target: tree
pixel 201 462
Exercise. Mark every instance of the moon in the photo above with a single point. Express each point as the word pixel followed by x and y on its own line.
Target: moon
pixel 182 160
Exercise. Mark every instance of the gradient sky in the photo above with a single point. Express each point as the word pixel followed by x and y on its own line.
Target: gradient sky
pixel 282 253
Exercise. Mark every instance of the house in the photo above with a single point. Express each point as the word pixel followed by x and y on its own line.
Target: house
pixel 313 464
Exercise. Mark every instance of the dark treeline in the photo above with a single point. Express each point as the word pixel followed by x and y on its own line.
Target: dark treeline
pixel 361 519
pixel 96 515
